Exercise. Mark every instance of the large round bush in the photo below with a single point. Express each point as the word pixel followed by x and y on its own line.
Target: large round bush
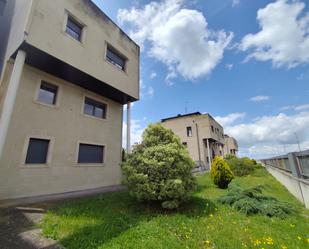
pixel 220 173
pixel 160 168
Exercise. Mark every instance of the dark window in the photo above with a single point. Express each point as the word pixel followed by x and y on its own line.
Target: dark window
pixel 212 128
pixel 89 153
pixel 115 58
pixel 94 108
pixel 189 131
pixel 185 144
pixel 48 93
pixel 2 6
pixel 37 151
pixel 74 29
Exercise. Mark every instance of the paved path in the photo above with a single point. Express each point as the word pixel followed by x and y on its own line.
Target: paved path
pixel 19 230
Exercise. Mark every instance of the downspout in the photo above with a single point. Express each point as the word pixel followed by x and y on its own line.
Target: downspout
pixel 198 143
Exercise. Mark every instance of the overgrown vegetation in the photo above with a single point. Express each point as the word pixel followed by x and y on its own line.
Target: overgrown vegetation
pixel 115 220
pixel 160 169
pixel 220 173
pixel 241 166
pixel 253 201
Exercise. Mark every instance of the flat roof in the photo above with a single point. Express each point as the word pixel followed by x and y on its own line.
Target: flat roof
pixel 181 116
pixel 98 10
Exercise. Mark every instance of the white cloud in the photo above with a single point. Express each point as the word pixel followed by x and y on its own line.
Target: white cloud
pixel 229 66
pixel 178 37
pixel 279 129
pixel 295 108
pixel 235 3
pixel 230 119
pixel 259 98
pixel 136 132
pixel 150 91
pixel 153 75
pixel 284 35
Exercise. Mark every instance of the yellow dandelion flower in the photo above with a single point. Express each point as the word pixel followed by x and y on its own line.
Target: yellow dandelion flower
pixel 308 240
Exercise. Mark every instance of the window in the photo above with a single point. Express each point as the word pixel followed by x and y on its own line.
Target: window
pixel 185 144
pixel 189 131
pixel 2 6
pixel 212 128
pixel 37 151
pixel 48 93
pixel 74 29
pixel 89 153
pixel 94 108
pixel 115 58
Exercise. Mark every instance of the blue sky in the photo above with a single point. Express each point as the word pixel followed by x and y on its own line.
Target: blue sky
pixel 244 62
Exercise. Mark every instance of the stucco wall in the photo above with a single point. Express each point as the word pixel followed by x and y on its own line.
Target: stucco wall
pixel 65 125
pixel 47 32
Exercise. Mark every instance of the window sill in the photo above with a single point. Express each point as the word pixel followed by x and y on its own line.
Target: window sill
pixel 81 43
pixel 34 166
pixel 46 105
pixel 115 67
pixel 89 165
pixel 94 117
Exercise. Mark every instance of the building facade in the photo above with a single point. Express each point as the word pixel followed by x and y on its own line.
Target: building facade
pixel 203 136
pixel 200 133
pixel 66 72
pixel 230 145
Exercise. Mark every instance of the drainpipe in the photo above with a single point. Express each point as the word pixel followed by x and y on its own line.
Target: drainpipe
pixel 198 143
pixel 208 151
pixel 128 127
pixel 10 97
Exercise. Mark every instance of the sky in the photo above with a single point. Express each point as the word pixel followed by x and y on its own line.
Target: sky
pixel 245 62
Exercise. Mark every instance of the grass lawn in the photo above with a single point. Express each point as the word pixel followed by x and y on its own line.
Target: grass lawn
pixel 116 221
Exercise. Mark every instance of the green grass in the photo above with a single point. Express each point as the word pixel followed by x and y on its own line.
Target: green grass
pixel 116 221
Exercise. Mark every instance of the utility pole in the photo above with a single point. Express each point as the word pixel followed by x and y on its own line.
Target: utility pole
pixel 297 141
pixel 186 107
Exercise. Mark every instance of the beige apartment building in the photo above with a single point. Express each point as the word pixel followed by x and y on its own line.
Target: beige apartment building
pixel 66 72
pixel 230 145
pixel 201 134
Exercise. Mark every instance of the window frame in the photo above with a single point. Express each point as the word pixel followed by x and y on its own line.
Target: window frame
pixel 117 53
pixel 189 129
pixel 50 81
pixel 50 152
pixel 68 15
pixel 90 164
pixel 51 85
pixel 94 99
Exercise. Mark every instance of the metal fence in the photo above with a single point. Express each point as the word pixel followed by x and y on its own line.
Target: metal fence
pixel 296 163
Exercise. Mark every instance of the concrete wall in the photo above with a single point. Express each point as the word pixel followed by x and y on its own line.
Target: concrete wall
pixel 298 187
pixel 66 126
pixel 47 32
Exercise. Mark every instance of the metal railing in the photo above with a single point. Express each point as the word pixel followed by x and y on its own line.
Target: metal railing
pixel 296 163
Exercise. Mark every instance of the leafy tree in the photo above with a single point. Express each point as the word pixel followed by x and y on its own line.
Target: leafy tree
pixel 241 166
pixel 220 173
pixel 160 168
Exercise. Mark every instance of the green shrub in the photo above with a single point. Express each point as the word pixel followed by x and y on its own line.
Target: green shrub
pixel 251 201
pixel 160 169
pixel 220 173
pixel 241 166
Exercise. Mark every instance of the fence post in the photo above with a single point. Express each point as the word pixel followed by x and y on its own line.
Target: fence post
pixel 294 165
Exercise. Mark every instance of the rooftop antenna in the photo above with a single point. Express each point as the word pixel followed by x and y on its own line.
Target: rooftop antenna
pixel 297 141
pixel 186 106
